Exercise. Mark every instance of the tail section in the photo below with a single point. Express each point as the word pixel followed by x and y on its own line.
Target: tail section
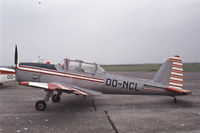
pixel 171 73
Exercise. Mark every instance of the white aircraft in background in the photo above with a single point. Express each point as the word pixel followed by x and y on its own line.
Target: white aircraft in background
pixel 6 75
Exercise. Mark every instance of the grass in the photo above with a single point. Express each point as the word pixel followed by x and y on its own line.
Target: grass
pixel 191 67
pixel 188 67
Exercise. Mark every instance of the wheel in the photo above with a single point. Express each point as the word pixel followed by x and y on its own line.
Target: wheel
pixel 56 98
pixel 40 105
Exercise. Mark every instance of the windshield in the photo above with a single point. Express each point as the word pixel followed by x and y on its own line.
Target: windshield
pixel 100 69
pixel 73 65
pixel 62 65
pixel 88 68
pixel 79 66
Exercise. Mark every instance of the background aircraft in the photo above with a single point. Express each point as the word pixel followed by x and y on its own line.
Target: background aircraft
pixel 6 75
pixel 83 78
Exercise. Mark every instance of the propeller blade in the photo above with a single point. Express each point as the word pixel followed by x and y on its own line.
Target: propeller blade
pixel 16 55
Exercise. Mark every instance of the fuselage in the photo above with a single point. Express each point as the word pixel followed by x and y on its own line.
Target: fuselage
pixel 102 82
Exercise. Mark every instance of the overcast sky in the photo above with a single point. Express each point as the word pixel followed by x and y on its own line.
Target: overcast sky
pixel 101 31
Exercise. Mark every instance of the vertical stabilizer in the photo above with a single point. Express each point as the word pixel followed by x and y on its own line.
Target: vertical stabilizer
pixel 171 73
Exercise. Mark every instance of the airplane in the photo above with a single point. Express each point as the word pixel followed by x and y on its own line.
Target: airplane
pixel 6 75
pixel 83 78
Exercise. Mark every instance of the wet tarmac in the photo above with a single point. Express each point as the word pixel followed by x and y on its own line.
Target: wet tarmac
pixel 101 114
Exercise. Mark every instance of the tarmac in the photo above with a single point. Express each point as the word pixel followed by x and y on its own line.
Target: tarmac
pixel 101 114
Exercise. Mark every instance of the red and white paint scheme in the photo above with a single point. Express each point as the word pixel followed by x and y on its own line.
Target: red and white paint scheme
pixel 176 77
pixel 6 75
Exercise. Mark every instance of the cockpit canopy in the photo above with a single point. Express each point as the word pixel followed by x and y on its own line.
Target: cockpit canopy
pixel 79 66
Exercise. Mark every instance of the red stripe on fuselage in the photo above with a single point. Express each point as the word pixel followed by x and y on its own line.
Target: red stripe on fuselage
pixel 59 72
pixel 6 72
pixel 78 76
pixel 152 89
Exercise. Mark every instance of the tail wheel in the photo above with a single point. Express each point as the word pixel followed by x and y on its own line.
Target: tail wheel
pixel 56 98
pixel 175 101
pixel 40 105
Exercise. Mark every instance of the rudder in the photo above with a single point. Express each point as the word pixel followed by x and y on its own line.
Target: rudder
pixel 171 73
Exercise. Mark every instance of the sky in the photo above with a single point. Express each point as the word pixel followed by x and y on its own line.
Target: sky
pixel 101 31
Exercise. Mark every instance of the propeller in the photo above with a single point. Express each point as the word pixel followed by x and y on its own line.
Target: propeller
pixel 16 55
pixel 15 61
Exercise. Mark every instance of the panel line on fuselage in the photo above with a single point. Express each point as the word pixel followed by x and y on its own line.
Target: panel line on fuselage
pixel 153 88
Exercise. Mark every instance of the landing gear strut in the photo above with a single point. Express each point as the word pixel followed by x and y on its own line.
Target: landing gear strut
pixel 41 104
pixel 84 97
pixel 175 101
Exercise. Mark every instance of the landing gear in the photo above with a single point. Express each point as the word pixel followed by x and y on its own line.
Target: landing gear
pixel 84 97
pixel 56 98
pixel 40 105
pixel 175 101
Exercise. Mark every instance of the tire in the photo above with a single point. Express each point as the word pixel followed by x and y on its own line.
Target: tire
pixel 56 98
pixel 40 105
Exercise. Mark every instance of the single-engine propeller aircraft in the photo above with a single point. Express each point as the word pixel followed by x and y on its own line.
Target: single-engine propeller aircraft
pixel 82 78
pixel 6 75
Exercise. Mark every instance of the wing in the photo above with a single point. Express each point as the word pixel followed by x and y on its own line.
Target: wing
pixel 62 87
